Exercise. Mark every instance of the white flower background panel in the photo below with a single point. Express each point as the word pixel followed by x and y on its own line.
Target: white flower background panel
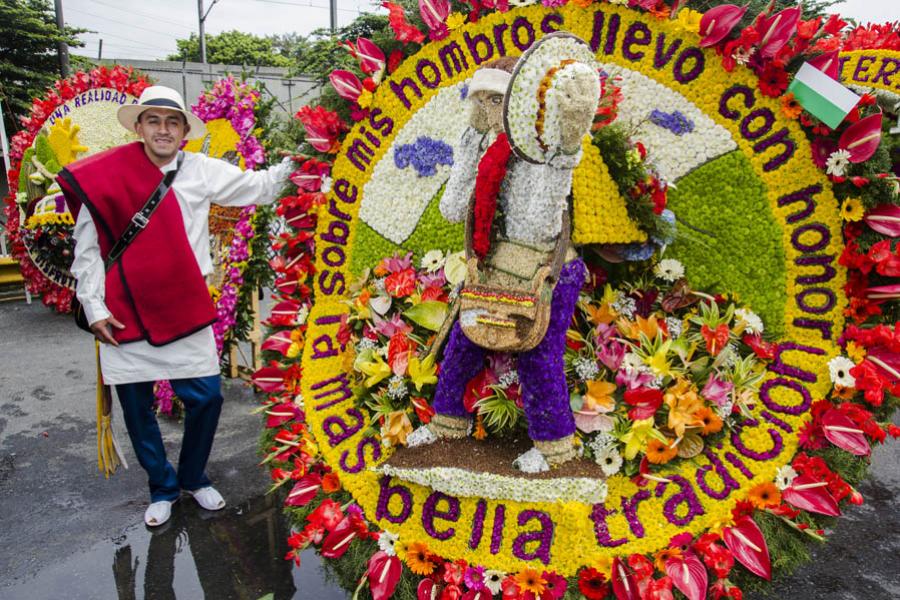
pixel 672 155
pixel 395 198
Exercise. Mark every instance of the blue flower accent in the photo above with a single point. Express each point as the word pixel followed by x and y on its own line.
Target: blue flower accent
pixel 425 154
pixel 676 121
pixel 464 91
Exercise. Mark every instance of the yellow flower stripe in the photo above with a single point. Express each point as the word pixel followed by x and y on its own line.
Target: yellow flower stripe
pixel 632 519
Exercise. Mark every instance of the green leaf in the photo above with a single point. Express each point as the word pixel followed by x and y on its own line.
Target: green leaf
pixel 430 314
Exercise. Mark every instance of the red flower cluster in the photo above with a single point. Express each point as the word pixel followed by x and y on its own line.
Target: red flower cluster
pixel 815 467
pixel 323 128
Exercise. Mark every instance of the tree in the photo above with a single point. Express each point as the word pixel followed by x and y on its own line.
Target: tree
pixel 232 48
pixel 29 62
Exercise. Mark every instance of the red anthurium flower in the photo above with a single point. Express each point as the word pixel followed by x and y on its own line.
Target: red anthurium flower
pixel 398 353
pixel 645 401
pixel 777 29
pixel 423 410
pixel 383 572
pixel 370 56
pixel 346 84
pixel 862 138
pixel 717 23
pixel 716 339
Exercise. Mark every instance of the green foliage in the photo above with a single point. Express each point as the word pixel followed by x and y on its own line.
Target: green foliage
pixel 734 227
pixel 28 54
pixel 232 48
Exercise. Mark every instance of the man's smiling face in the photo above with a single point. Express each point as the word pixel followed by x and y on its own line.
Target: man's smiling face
pixel 162 130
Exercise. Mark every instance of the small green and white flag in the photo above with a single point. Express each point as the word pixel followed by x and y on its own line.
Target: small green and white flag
pixel 822 96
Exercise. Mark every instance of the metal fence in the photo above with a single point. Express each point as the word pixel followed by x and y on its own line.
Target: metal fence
pixel 191 78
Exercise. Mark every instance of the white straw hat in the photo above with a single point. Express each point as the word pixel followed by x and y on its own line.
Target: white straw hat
pixel 160 96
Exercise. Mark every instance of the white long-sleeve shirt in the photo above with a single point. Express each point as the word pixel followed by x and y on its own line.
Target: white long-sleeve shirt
pixel 201 181
pixel 532 196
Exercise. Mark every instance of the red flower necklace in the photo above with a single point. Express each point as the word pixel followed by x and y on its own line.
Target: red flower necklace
pixel 491 171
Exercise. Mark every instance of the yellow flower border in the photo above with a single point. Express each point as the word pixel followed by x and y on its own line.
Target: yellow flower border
pixel 871 68
pixel 800 197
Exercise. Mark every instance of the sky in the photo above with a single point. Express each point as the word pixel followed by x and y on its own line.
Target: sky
pixel 138 29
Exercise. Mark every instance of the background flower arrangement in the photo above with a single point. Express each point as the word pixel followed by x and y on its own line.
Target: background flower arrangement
pixel 776 517
pixel 28 181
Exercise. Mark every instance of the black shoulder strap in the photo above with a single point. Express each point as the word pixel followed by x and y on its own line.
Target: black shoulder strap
pixel 142 217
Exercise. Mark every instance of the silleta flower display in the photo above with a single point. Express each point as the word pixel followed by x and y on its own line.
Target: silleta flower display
pixel 715 388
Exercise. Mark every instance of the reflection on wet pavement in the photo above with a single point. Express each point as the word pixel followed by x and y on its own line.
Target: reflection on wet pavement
pixel 237 554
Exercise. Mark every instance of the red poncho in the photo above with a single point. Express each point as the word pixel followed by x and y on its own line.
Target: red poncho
pixel 156 288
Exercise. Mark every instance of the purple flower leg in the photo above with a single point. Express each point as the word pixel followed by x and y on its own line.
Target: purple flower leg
pixel 542 376
pixel 463 360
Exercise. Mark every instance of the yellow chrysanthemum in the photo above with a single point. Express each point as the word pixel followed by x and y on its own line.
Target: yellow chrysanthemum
pixel 455 20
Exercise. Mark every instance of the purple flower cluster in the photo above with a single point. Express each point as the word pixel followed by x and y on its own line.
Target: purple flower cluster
pixel 238 253
pixel 425 154
pixel 229 99
pixel 676 121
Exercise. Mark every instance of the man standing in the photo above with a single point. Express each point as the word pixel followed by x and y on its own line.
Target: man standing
pixel 151 308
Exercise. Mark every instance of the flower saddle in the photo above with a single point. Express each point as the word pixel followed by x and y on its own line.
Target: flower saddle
pixel 504 304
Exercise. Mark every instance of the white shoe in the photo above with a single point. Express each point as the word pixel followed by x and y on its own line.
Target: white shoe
pixel 531 462
pixel 420 437
pixel 158 513
pixel 208 498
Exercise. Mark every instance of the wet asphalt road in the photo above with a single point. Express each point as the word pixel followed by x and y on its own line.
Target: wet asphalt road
pixel 65 532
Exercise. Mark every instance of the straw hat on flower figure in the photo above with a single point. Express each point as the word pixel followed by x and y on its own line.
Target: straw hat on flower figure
pixel 523 277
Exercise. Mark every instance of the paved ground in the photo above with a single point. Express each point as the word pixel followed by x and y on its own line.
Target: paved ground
pixel 67 532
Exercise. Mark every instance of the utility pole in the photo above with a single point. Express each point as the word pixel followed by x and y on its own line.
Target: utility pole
pixel 100 50
pixel 63 49
pixel 202 18
pixel 333 6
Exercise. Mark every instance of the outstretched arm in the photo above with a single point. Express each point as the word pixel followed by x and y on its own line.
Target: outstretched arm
pixel 227 185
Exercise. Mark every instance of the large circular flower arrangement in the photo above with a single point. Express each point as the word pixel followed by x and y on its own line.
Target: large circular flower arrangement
pixel 718 426
pixel 76 118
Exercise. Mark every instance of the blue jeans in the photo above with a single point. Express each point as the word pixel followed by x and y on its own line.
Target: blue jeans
pixel 202 399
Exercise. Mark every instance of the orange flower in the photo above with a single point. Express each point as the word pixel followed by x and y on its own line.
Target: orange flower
pixel 530 580
pixel 790 107
pixel 601 314
pixel 649 327
pixel 711 421
pixel 764 495
pixel 684 405
pixel 844 393
pixel 665 554
pixel 582 3
pixel 715 338
pixel 418 559
pixel 659 453
pixel 331 483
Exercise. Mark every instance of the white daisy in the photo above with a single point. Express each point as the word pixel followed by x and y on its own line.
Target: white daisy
pixel 784 477
pixel 669 269
pixel 386 542
pixel 752 323
pixel 396 388
pixel 631 362
pixel 610 460
pixel 742 56
pixel 493 580
pixel 837 163
pixel 839 369
pixel 432 261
